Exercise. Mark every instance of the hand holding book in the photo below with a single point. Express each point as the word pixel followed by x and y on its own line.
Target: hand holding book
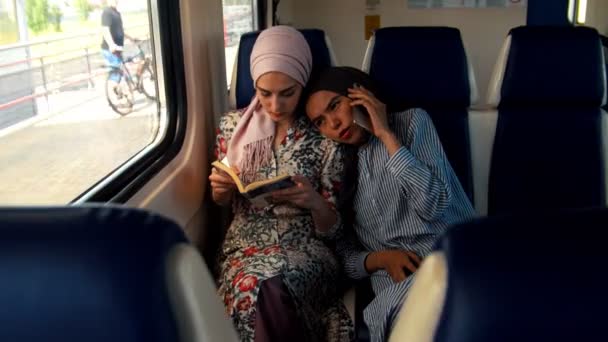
pixel 302 194
pixel 222 186
pixel 259 192
pixel 296 190
pixel 305 196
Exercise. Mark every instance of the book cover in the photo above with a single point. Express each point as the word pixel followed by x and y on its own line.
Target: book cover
pixel 257 192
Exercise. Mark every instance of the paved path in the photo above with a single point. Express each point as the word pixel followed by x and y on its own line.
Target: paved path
pixel 59 155
pixel 74 142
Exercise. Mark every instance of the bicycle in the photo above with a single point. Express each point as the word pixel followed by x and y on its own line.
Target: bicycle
pixel 120 94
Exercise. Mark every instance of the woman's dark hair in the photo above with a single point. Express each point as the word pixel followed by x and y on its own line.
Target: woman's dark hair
pixel 338 80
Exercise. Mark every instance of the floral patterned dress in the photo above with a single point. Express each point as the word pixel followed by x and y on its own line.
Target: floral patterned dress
pixel 281 240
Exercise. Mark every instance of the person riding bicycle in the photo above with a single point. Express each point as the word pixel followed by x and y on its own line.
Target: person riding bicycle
pixel 113 38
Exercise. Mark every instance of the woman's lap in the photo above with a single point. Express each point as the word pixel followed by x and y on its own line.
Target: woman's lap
pixel 305 274
pixel 276 317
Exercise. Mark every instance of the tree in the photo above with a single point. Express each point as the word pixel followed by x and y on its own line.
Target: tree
pixel 84 8
pixel 37 13
pixel 55 16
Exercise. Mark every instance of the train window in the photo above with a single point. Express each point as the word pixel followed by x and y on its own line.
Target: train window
pixel 239 18
pixel 589 13
pixel 581 11
pixel 82 97
pixel 592 13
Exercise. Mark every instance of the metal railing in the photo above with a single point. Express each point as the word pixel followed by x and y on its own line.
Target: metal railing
pixel 63 38
pixel 34 71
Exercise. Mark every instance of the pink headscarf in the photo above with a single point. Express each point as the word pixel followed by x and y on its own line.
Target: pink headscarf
pixel 279 49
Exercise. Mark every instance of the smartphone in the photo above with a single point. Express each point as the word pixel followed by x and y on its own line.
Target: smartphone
pixel 361 118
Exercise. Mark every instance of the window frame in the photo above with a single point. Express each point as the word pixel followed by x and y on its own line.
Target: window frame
pixel 575 10
pixel 580 15
pixel 258 20
pixel 131 176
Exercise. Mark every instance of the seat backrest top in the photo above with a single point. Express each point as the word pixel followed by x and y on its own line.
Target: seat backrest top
pixel 421 67
pixel 558 67
pixel 548 85
pixel 85 273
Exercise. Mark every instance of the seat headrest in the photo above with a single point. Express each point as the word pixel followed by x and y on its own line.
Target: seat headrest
pixel 526 278
pixel 241 87
pixel 549 66
pixel 421 67
pixel 85 273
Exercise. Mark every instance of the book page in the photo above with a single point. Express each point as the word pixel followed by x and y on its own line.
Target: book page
pixel 259 193
pixel 225 168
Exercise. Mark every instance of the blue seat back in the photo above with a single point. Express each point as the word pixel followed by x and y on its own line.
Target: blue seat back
pixel 534 277
pixel 243 85
pixel 85 274
pixel 547 149
pixel 427 67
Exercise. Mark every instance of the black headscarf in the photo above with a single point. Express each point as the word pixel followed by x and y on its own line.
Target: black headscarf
pixel 339 79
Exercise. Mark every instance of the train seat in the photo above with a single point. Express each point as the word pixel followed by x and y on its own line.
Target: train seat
pixel 549 147
pixel 427 67
pixel 103 274
pixel 523 277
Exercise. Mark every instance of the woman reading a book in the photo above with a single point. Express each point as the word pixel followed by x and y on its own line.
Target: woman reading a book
pixel 402 190
pixel 277 277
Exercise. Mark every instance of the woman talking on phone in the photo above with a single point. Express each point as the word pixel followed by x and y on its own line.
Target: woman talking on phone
pixel 277 277
pixel 401 188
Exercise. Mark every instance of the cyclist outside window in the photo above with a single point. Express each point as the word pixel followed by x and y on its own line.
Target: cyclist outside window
pixel 113 37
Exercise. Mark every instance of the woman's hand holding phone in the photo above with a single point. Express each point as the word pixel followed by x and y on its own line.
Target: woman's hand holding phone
pixel 377 116
pixel 376 110
pixel 361 118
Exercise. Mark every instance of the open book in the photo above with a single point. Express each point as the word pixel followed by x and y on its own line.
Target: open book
pixel 259 193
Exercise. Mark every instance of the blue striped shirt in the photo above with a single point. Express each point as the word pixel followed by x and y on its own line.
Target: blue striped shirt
pixel 403 201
